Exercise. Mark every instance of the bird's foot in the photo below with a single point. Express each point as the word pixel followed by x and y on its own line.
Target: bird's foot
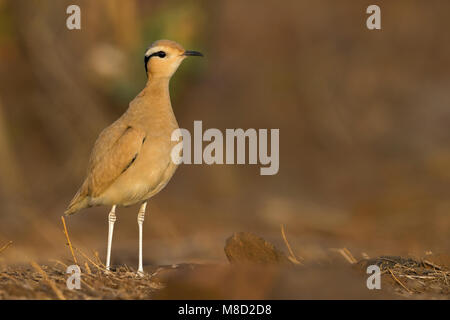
pixel 108 272
pixel 140 274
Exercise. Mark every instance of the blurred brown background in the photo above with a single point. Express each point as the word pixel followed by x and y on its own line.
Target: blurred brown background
pixel 363 116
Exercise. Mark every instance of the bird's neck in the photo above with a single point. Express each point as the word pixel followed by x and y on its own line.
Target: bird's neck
pixel 156 88
pixel 153 102
pixel 155 95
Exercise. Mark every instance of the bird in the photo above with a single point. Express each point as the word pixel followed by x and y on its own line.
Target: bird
pixel 131 159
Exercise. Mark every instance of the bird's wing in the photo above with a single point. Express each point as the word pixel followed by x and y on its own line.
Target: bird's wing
pixel 114 152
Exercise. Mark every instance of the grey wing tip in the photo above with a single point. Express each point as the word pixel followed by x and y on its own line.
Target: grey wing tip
pixel 76 206
pixel 69 212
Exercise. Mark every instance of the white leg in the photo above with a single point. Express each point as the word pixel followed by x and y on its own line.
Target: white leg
pixel 111 218
pixel 140 220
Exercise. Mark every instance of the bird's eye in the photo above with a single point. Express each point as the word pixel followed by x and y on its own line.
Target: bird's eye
pixel 161 54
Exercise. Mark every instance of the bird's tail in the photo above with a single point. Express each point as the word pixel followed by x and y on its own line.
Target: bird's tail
pixel 79 201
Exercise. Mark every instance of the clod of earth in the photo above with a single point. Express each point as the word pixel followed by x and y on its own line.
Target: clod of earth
pixel 245 247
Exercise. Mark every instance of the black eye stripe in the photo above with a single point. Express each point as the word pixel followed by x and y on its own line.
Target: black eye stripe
pixel 160 54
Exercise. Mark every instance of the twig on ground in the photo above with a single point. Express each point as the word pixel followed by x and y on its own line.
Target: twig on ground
pixel 68 241
pixel 365 255
pixel 51 283
pixel 90 260
pixel 413 278
pixel 346 254
pixel 349 254
pixel 59 262
pixel 291 256
pixel 87 267
pixel 399 282
pixel 5 246
pixel 432 264
pixel 99 260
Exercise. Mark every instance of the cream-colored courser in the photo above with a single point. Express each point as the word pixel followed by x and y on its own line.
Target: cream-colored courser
pixel 131 159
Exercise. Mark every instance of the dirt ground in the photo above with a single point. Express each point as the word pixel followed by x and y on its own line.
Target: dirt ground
pixel 257 270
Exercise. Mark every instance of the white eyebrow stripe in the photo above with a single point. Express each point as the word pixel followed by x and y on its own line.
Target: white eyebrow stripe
pixel 153 50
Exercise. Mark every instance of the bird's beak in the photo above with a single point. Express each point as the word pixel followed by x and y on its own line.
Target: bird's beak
pixel 192 53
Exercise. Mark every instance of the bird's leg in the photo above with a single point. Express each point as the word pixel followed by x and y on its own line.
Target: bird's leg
pixel 111 219
pixel 140 220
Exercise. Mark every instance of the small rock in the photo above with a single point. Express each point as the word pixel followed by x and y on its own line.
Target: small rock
pixel 244 247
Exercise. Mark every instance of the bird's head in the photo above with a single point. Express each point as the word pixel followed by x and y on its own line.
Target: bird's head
pixel 163 57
